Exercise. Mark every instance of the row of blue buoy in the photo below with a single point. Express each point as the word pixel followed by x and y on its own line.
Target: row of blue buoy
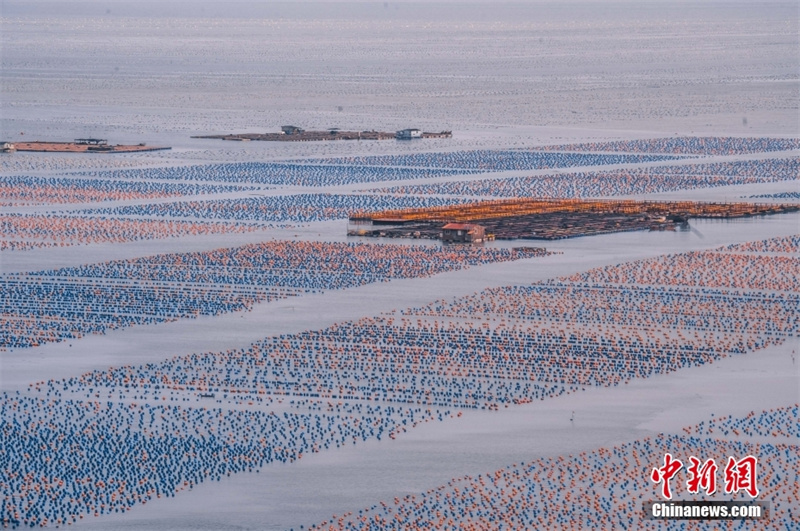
pixel 29 190
pixel 499 160
pixel 618 182
pixel 279 174
pixel 299 208
pixel 689 145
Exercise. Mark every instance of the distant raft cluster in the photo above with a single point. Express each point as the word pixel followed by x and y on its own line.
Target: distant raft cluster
pixel 22 232
pixel 600 489
pixel 27 191
pixel 686 145
pixel 499 160
pixel 300 208
pixel 283 174
pixel 617 182
pixel 62 459
pixel 777 422
pixel 68 303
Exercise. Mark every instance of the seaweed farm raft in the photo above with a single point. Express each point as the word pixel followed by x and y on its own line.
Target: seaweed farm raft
pixel 80 145
pixel 290 133
pixel 550 219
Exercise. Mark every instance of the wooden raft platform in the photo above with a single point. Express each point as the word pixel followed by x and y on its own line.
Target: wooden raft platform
pixel 80 147
pixel 552 219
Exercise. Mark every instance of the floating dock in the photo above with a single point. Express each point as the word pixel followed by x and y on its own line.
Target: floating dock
pixel 80 145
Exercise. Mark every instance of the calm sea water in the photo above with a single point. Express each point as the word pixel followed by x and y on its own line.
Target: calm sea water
pixel 173 68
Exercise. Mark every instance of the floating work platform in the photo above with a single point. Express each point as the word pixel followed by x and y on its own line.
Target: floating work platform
pixel 552 219
pixel 82 145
